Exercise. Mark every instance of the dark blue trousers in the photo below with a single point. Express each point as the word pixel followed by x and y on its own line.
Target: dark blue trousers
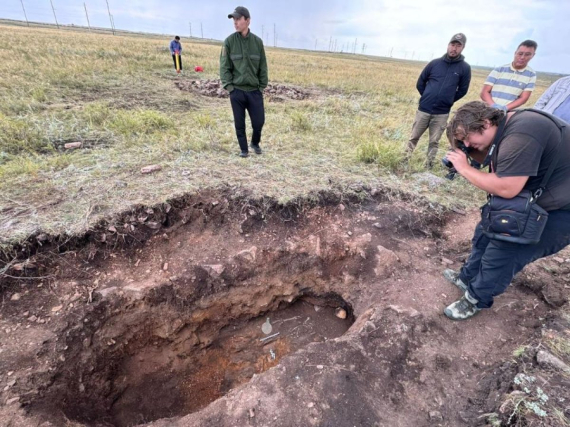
pixel 253 103
pixel 493 264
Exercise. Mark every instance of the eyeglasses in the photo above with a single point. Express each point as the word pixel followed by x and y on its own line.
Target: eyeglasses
pixel 527 54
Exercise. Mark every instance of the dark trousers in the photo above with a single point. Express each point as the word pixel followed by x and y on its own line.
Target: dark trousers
pixel 174 60
pixel 493 264
pixel 253 103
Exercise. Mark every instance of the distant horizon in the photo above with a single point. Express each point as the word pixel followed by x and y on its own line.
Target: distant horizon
pixel 39 24
pixel 409 30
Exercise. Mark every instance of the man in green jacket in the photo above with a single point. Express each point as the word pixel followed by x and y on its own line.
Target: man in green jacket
pixel 243 71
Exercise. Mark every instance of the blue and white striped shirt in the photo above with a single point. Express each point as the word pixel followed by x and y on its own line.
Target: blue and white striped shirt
pixel 508 83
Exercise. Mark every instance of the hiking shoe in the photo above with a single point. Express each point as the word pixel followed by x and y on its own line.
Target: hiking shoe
pixel 256 149
pixel 452 276
pixel 244 154
pixel 462 309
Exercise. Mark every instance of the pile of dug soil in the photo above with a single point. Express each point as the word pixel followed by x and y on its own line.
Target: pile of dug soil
pixel 214 89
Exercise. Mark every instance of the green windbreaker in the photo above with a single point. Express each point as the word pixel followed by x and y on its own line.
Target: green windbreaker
pixel 243 64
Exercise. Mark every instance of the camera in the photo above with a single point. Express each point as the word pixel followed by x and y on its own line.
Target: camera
pixel 447 163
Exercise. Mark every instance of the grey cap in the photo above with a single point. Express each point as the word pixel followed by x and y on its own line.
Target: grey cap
pixel 240 11
pixel 459 38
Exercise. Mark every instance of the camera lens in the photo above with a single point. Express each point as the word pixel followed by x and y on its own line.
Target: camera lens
pixel 446 163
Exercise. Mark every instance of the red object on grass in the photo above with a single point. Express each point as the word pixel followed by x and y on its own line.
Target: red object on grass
pixel 198 69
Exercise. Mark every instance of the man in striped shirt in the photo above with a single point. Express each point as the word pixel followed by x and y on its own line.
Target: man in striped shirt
pixel 510 86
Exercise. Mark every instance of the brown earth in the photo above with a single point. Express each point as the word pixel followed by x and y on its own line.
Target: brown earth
pixel 273 92
pixel 155 317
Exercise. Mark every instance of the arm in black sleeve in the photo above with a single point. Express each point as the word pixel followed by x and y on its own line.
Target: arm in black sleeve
pixel 422 80
pixel 463 85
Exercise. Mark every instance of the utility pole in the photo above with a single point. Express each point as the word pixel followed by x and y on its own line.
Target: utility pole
pixel 262 31
pixel 110 17
pixel 52 8
pixel 391 50
pixel 334 48
pixel 354 50
pixel 190 25
pixel 24 9
pixel 202 30
pixel 87 15
pixel 274 35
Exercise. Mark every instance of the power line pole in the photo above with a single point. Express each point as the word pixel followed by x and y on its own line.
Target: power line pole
pixel 24 9
pixel 52 8
pixel 202 30
pixel 262 31
pixel 190 24
pixel 110 17
pixel 391 50
pixel 354 50
pixel 274 35
pixel 87 15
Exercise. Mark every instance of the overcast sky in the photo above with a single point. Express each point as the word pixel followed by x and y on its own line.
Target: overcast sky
pixel 409 29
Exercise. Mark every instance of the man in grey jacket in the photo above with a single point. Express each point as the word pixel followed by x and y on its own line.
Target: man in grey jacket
pixel 556 100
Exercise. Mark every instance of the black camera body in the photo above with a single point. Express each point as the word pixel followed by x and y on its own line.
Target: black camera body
pixel 449 165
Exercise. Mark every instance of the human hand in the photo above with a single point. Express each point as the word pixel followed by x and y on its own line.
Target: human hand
pixel 459 160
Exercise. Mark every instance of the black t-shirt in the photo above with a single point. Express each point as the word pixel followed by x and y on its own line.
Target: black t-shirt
pixel 527 148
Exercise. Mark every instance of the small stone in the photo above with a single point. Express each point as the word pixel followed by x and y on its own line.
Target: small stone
pixel 320 367
pixel 341 207
pixel 56 308
pixel 558 260
pixel 349 233
pixel 11 383
pixel 435 416
pixel 32 318
pixel 71 145
pixel 317 308
pixel 378 225
pixel 547 360
pixel 251 413
pixel 13 400
pixel 446 261
pixel 151 169
pixel 310 405
pixel 340 313
pixel 165 266
pixel 16 297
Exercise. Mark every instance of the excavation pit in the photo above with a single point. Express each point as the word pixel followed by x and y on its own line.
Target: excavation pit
pixel 154 365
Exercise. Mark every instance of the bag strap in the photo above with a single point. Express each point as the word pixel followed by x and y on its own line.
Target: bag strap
pixel 562 126
pixel 491 158
pixel 494 150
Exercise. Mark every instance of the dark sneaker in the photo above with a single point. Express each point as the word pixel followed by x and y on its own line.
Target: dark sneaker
pixel 244 154
pixel 463 309
pixel 452 276
pixel 256 149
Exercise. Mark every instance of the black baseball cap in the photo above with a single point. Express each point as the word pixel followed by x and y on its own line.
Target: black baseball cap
pixel 240 11
pixel 459 38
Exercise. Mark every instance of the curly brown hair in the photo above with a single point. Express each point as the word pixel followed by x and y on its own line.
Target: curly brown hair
pixel 471 118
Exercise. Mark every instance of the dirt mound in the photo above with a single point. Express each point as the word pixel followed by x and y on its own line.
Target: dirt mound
pixel 213 88
pixel 163 313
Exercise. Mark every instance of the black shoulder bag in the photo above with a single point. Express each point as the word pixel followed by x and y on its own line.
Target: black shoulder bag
pixel 520 219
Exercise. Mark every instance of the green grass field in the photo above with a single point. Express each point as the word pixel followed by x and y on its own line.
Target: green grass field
pixel 117 95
